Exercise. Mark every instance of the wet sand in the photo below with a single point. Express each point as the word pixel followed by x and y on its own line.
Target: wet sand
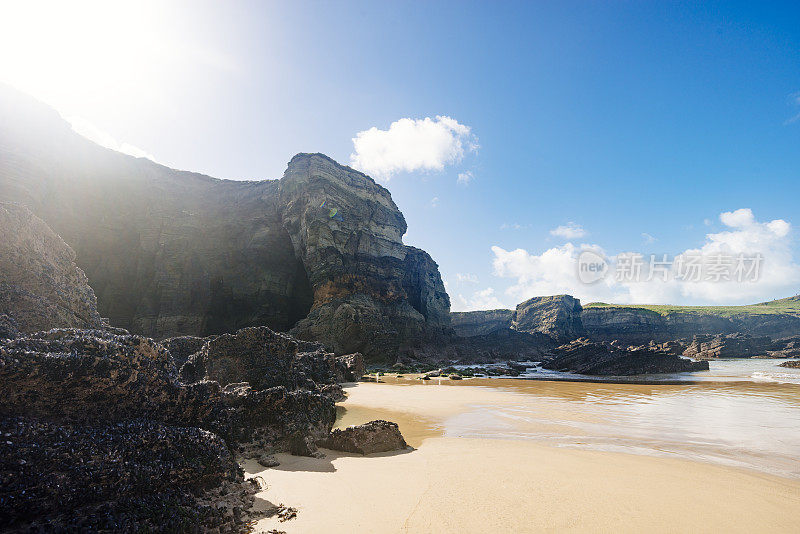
pixel 511 456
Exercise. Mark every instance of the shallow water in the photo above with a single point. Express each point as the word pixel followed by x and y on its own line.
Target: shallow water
pixel 743 413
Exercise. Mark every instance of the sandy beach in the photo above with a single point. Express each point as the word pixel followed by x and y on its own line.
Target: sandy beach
pixel 535 474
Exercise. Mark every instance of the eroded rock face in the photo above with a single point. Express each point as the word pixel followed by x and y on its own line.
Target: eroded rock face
pixel 727 346
pixel 478 323
pixel 172 253
pixel 612 359
pixel 636 325
pixel 8 327
pixel 40 285
pixel 558 316
pixel 128 476
pixel 261 357
pixel 372 294
pixel 375 436
pixel 100 421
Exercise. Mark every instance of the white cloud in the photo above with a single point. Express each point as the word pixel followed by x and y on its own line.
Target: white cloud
pixel 411 145
pixel 648 238
pixel 93 133
pixel 570 230
pixel 467 278
pixel 554 271
pixel 737 219
pixel 434 202
pixel 485 299
pixel 464 178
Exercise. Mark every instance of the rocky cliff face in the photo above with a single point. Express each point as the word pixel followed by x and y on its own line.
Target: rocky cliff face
pixel 40 285
pixel 174 253
pixel 478 323
pixel 636 325
pixel 371 293
pixel 558 317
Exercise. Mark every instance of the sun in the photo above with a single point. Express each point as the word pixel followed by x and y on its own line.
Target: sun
pixel 68 53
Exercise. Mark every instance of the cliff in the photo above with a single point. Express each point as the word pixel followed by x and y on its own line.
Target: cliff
pixel 477 323
pixel 174 253
pixel 40 285
pixel 641 324
pixel 564 319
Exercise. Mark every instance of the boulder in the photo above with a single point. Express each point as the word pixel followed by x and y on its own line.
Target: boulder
pixel 375 436
pixel 263 358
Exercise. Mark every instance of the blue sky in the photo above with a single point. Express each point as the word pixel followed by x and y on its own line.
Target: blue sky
pixel 640 123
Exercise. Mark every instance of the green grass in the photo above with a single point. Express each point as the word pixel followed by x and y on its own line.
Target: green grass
pixel 789 305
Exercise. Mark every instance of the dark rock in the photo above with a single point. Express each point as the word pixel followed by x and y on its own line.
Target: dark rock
pixel 375 436
pixel 727 346
pixel 604 359
pixel 477 323
pixel 40 285
pixel 558 317
pixel 174 253
pixel 263 358
pixel 454 377
pixel 351 367
pixel 268 460
pixel 181 347
pixel 792 364
pixel 130 476
pixel 8 327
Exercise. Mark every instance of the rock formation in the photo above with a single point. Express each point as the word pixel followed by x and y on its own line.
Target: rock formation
pixel 40 285
pixel 375 436
pixel 638 325
pixel 100 421
pixel 478 323
pixel 611 359
pixel 563 318
pixel 727 346
pixel 558 317
pixel 792 364
pixel 173 253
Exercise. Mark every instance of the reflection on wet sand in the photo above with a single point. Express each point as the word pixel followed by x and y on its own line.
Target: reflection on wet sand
pixel 746 424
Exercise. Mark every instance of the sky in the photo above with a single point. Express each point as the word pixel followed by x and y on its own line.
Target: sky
pixel 513 136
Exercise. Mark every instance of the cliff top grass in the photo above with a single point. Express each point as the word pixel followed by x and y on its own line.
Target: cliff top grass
pixel 790 305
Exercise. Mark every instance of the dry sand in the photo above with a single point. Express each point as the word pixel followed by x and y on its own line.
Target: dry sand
pixel 452 484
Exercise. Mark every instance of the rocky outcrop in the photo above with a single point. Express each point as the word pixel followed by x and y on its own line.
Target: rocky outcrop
pixel 129 476
pixel 351 367
pixel 40 285
pixel 792 364
pixel 478 323
pixel 372 294
pixel 8 327
pixel 638 325
pixel 727 346
pixel 611 359
pixel 98 421
pixel 375 436
pixel 558 317
pixel 172 253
